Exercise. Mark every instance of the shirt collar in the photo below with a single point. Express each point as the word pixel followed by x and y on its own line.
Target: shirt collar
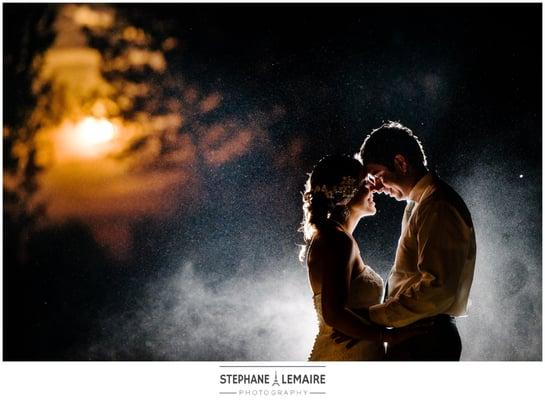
pixel 417 193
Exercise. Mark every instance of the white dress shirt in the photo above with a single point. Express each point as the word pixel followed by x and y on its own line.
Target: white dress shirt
pixel 435 258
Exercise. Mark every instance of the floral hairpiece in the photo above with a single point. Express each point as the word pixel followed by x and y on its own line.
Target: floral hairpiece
pixel 346 189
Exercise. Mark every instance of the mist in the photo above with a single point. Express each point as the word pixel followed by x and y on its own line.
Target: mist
pixel 264 311
pixel 504 319
pixel 252 315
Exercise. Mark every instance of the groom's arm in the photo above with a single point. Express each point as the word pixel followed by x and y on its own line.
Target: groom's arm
pixel 442 238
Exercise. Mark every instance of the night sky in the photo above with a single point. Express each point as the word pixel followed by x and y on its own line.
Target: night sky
pixel 178 238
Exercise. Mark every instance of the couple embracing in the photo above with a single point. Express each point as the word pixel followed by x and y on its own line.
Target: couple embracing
pixel 412 315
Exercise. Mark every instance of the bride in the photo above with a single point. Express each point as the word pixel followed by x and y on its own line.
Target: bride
pixel 335 199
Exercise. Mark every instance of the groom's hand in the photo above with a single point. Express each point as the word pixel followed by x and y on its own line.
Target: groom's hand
pixel 340 337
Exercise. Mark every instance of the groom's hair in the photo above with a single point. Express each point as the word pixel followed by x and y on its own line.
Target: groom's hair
pixel 392 138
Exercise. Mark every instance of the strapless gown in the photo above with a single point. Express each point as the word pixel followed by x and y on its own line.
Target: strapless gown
pixel 366 289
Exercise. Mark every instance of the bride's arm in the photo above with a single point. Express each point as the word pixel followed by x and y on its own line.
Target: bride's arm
pixel 337 256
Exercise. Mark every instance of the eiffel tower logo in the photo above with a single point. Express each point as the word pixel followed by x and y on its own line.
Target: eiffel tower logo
pixel 276 379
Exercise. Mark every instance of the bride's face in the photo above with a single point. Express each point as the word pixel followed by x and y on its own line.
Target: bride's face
pixel 363 201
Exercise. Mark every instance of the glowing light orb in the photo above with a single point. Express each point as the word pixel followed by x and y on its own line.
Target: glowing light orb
pixel 92 131
pixel 89 138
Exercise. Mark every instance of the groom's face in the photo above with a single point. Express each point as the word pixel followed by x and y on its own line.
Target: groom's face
pixel 384 180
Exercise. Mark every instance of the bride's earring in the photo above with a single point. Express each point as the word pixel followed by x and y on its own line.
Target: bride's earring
pixel 346 212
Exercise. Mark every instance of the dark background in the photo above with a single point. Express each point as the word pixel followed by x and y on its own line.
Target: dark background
pixel 465 78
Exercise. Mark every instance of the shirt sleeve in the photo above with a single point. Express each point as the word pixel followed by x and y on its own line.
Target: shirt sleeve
pixel 442 238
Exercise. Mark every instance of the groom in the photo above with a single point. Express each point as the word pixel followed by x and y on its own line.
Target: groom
pixel 433 270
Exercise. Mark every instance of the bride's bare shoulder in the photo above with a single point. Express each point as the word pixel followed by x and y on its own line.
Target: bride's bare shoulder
pixel 331 239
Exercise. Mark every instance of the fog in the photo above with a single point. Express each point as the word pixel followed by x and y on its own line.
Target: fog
pixel 263 315
pixel 504 320
pixel 265 311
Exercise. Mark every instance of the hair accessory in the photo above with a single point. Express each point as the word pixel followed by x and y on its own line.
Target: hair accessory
pixel 346 189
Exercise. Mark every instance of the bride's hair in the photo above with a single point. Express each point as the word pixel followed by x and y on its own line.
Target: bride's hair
pixel 332 183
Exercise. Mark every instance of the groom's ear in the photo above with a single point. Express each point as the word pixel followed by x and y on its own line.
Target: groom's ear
pixel 401 163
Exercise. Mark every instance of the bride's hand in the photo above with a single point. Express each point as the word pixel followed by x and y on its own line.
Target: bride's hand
pixel 340 337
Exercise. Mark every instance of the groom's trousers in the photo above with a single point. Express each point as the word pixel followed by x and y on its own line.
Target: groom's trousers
pixel 439 341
